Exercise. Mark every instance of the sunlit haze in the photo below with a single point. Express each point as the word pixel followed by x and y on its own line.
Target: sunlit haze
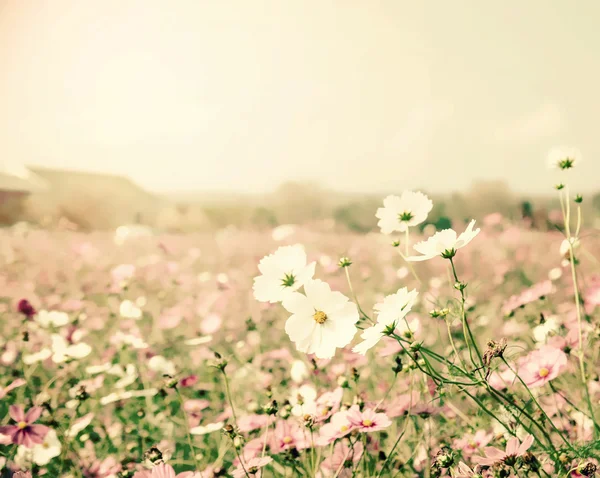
pixel 356 95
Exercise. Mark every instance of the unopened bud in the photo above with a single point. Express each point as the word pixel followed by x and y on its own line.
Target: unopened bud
pixel 344 262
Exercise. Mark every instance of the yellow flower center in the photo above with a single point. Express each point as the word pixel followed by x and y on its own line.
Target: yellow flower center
pixel 320 317
pixel 344 428
pixel 21 425
pixel 367 423
pixel 544 372
pixel 287 440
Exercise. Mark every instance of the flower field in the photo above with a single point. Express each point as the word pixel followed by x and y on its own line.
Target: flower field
pixel 303 352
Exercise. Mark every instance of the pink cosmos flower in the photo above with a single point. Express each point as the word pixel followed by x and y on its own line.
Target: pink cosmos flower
pixel 338 426
pixel 342 454
pixel 514 449
pixel 162 470
pixel 22 474
pixel 367 420
pixel 402 404
pixel 541 366
pixel 286 435
pixel 577 465
pixel 469 444
pixel 188 381
pixel 252 467
pixel 328 403
pixel 535 292
pixel 248 423
pixel 24 432
pixel 11 386
pixel 501 380
pixel 193 408
pixel 102 468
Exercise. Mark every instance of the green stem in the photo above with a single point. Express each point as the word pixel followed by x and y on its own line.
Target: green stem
pixel 567 219
pixel 354 294
pixel 229 399
pixel 187 430
pixel 466 328
pixel 538 405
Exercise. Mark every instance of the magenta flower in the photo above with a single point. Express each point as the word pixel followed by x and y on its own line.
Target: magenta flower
pixel 26 308
pixel 367 420
pixel 24 432
pixel 514 449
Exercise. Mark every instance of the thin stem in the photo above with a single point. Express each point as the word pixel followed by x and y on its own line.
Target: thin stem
pixel 343 462
pixel 354 294
pixel 229 399
pixel 581 356
pixel 241 461
pixel 454 346
pixel 265 441
pixel 466 328
pixel 187 430
pixel 391 452
pixel 537 404
pixel 504 401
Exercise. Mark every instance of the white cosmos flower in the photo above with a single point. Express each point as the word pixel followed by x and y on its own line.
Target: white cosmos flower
pixel 444 243
pixel 395 306
pixel 321 320
pixel 126 394
pixel 303 400
pixel 564 158
pixel 129 310
pixel 62 350
pixel 565 247
pixel 53 318
pixel 95 369
pixel 542 331
pixel 401 212
pixel 40 454
pixel 160 364
pixel 282 272
pixel 299 371
pixel 206 429
pixel 128 375
pixel 129 339
pixel 37 357
pixel 390 313
pixel 79 425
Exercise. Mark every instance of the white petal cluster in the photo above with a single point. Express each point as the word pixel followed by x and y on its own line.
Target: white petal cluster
pixel 401 212
pixel 282 272
pixel 444 243
pixel 390 314
pixel 321 321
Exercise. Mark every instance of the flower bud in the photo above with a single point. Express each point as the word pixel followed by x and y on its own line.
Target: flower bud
pixel 344 262
pixel 153 455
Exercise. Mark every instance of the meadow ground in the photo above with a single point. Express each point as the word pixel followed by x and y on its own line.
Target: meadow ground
pixel 127 358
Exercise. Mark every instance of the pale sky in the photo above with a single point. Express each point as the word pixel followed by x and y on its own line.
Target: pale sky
pixel 359 95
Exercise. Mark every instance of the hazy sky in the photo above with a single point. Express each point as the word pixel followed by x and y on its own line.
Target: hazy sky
pixel 360 95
